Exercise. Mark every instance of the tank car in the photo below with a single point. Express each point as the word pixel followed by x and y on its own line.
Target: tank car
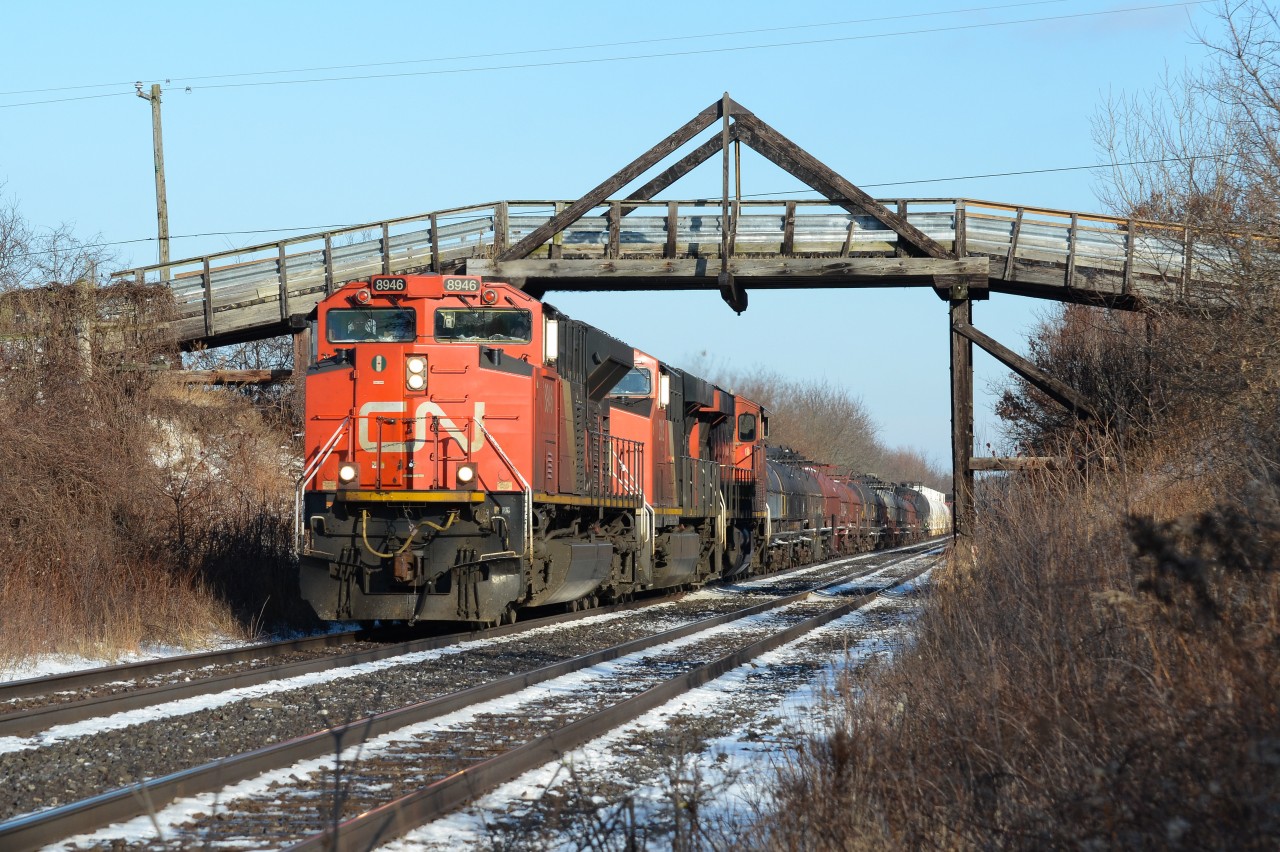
pixel 934 508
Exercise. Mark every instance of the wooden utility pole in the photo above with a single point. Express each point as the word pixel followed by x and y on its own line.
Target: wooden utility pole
pixel 963 514
pixel 162 204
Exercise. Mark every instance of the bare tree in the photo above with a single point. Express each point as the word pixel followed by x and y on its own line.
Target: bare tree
pixel 30 256
pixel 1108 357
pixel 818 419
pixel 1201 151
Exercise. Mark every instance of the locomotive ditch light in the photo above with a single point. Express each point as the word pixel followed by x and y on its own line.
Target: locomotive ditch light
pixel 348 472
pixel 466 475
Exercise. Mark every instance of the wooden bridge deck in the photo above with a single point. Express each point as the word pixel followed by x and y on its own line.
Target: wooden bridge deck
pixel 253 293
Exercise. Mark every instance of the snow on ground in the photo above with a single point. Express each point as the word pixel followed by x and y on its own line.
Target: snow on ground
pixel 736 769
pixel 56 664
pixel 206 702
pixel 197 703
pixel 463 829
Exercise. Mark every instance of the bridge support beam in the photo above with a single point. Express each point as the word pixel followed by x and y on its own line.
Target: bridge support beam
pixel 1060 392
pixel 301 360
pixel 962 427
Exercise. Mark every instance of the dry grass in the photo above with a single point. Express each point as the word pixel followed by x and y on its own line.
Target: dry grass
pixel 1107 678
pixel 134 511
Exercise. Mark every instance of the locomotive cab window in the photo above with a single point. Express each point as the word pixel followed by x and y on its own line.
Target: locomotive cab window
pixel 746 427
pixel 362 325
pixel 489 325
pixel 638 382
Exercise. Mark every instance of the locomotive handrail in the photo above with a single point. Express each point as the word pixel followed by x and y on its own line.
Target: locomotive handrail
pixel 524 486
pixel 636 489
pixel 647 536
pixel 647 517
pixel 308 473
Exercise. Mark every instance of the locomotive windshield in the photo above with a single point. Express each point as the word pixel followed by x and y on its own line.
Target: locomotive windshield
pixel 361 325
pixel 490 325
pixel 638 382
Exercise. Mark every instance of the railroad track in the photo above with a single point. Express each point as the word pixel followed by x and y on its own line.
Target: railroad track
pixel 40 704
pixel 545 727
pixel 45 703
pixel 20 695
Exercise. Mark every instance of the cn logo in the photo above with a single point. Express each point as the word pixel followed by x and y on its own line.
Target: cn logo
pixel 422 416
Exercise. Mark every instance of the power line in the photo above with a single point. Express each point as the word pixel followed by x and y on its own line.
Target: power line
pixel 65 100
pixel 664 39
pixel 664 55
pixel 705 51
pixel 316 228
pixel 1024 172
pixel 463 57
pixel 323 228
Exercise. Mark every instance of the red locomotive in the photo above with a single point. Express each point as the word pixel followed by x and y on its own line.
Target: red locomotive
pixel 472 451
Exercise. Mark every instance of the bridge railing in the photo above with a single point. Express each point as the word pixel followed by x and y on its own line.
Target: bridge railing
pixel 221 293
pixel 1143 258
pixel 231 293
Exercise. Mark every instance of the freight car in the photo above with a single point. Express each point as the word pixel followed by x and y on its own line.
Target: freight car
pixel 472 452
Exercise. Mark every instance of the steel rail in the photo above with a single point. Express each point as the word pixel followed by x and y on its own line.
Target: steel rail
pixel 37 830
pixel 164 665
pixel 395 818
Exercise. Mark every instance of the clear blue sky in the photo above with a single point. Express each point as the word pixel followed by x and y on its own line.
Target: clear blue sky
pixel 553 99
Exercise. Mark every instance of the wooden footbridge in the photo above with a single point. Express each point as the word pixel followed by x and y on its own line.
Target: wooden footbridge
pixel 962 248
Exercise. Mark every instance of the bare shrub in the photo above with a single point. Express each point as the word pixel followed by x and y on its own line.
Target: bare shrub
pixel 1109 678
pixel 82 567
pixel 134 510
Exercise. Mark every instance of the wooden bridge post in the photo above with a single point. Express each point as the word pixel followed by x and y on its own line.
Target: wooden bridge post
pixel 962 427
pixel 301 360
pixel 86 310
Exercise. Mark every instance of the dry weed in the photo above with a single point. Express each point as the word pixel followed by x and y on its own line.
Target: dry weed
pixel 1106 678
pixel 134 511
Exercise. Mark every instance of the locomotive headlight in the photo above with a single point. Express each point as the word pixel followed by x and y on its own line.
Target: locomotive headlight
pixel 348 472
pixel 415 372
pixel 466 474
